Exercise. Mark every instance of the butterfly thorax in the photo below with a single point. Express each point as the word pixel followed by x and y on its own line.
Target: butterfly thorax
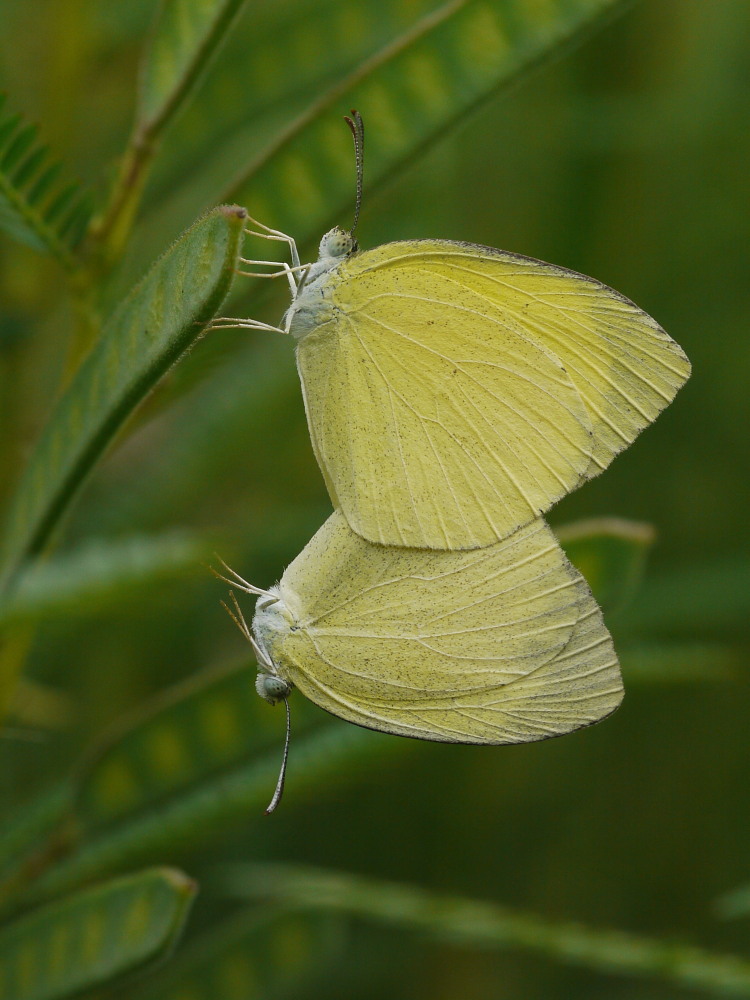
pixel 311 305
pixel 271 622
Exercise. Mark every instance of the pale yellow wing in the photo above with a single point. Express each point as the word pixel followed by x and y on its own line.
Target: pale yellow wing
pixel 435 423
pixel 465 647
pixel 580 686
pixel 431 413
pixel 624 365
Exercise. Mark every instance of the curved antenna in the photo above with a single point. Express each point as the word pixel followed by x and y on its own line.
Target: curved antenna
pixel 239 620
pixel 282 773
pixel 357 127
pixel 235 580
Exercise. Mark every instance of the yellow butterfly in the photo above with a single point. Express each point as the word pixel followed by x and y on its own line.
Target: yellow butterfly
pixel 503 644
pixel 455 392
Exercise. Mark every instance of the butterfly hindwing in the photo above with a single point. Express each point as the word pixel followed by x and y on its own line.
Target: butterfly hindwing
pixel 455 646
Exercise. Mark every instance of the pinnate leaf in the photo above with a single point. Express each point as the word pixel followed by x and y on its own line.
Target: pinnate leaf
pixel 93 936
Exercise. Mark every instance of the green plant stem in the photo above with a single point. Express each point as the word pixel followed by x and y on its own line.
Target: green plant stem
pixel 484 925
pixel 110 230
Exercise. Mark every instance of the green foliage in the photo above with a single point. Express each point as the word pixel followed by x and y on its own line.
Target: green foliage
pixel 36 208
pixel 623 160
pixel 413 89
pixel 158 322
pixel 93 576
pixel 250 955
pixel 94 936
pixel 185 36
pixel 733 904
pixel 474 924
pixel 611 554
pixel 205 809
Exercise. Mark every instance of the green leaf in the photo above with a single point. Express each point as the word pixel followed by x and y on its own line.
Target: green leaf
pixel 186 34
pixel 409 93
pixel 94 936
pixel 233 795
pixel 38 826
pixel 252 954
pixel 91 577
pixel 155 325
pixel 184 742
pixel 34 208
pixel 266 78
pixel 478 924
pixel 733 904
pixel 611 554
pixel 707 600
pixel 680 662
pixel 189 734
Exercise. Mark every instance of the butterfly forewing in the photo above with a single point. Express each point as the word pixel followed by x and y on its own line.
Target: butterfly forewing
pixel 624 365
pixel 455 392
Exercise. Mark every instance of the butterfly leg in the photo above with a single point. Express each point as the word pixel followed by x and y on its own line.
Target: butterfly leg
pixel 284 269
pixel 242 323
pixel 266 233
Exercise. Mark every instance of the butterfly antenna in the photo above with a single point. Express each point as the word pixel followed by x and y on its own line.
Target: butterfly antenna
pixel 357 127
pixel 235 580
pixel 239 620
pixel 282 773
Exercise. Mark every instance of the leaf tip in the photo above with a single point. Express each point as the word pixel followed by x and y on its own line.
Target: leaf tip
pixel 181 884
pixel 233 211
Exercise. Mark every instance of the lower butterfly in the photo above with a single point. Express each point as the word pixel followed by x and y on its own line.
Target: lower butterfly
pixel 504 644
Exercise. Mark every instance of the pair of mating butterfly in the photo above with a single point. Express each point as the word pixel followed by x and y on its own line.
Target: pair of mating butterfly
pixel 453 394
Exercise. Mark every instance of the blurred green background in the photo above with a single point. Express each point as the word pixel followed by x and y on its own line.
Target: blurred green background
pixel 625 157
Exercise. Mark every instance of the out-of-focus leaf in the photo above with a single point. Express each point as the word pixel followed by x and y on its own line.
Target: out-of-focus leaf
pixel 35 207
pixel 680 662
pixel 222 413
pixel 30 831
pixel 249 955
pixel 478 924
pixel 296 50
pixel 733 904
pixel 611 554
pixel 157 323
pixel 700 599
pixel 186 775
pixel 94 936
pixel 410 92
pixel 186 35
pixel 89 578
pixel 41 707
pixel 189 734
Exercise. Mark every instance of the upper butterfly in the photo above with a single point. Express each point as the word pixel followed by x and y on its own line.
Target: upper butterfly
pixel 455 392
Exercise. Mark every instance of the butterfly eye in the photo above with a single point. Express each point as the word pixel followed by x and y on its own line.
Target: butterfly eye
pixel 271 688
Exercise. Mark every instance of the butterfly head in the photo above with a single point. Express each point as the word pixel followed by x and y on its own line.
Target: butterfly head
pixel 337 244
pixel 271 687
pixel 272 621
